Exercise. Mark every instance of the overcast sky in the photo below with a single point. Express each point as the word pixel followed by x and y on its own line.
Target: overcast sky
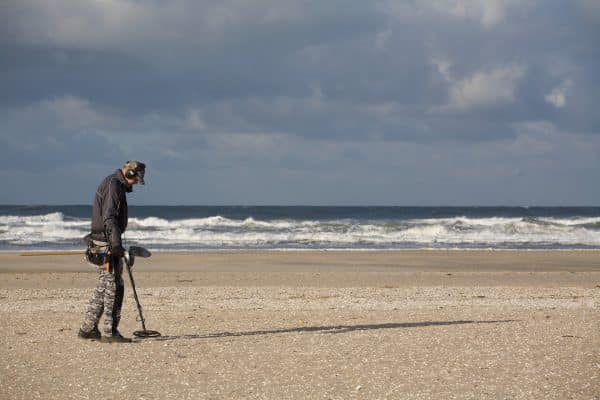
pixel 458 102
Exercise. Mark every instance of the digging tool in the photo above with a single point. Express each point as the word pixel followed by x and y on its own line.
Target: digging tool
pixel 52 253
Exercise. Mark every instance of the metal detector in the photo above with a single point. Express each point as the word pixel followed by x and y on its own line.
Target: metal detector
pixel 129 258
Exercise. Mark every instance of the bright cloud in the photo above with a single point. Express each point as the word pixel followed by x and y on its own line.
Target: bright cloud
pixel 558 96
pixel 484 89
pixel 488 12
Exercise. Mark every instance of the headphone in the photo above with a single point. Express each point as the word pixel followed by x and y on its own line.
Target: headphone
pixel 134 169
pixel 131 174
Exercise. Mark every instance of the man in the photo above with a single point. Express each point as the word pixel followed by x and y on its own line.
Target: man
pixel 109 221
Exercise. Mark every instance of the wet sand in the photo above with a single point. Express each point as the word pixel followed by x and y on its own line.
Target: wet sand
pixel 295 325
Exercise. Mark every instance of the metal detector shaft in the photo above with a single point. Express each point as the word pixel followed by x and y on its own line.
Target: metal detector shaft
pixel 137 301
pixel 128 260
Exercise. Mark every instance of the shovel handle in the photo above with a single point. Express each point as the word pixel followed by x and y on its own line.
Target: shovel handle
pixel 51 253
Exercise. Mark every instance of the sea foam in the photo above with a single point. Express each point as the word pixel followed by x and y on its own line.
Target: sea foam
pixel 55 230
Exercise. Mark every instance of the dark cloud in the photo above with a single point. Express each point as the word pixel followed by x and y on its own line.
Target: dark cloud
pixel 420 93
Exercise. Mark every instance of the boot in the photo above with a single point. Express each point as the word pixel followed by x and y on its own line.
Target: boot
pixel 94 334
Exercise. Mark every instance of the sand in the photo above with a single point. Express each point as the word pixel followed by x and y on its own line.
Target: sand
pixel 308 325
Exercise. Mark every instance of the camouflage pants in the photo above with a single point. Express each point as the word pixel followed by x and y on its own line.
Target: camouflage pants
pixel 107 299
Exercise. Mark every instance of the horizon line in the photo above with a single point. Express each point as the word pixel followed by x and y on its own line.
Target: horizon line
pixel 312 205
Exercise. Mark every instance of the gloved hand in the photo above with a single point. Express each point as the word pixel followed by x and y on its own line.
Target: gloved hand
pixel 117 251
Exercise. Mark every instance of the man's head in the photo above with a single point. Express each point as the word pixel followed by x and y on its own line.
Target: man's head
pixel 134 172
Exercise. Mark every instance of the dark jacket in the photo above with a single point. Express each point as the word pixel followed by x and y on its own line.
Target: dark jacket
pixel 109 211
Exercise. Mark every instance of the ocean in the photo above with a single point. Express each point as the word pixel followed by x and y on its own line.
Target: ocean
pixel 201 228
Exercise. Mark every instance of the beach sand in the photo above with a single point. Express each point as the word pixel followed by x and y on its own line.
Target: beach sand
pixel 311 325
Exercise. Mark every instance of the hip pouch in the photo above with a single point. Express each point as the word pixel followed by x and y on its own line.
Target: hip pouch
pixel 97 259
pixel 96 252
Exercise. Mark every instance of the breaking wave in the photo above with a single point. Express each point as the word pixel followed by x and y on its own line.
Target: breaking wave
pixel 56 230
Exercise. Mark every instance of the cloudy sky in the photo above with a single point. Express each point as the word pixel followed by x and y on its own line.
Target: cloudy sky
pixel 457 102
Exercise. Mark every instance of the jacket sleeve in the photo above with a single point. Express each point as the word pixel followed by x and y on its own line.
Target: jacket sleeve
pixel 111 214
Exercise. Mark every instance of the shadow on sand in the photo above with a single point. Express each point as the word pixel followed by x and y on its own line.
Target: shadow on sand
pixel 332 329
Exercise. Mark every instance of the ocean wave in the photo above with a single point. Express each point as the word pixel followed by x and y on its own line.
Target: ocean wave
pixel 216 232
